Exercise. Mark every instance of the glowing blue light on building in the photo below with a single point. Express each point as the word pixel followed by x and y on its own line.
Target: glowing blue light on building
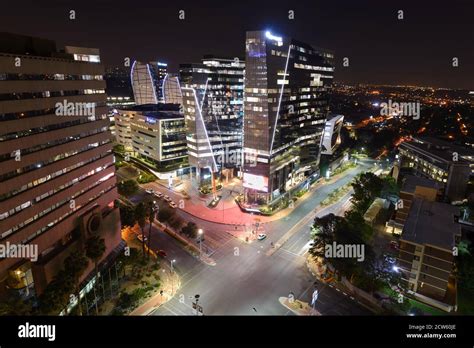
pixel 270 36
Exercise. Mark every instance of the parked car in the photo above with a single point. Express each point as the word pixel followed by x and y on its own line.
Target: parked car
pixel 142 238
pixel 167 198
pixel 261 236
pixel 161 253
pixel 149 191
pixel 173 205
pixel 158 194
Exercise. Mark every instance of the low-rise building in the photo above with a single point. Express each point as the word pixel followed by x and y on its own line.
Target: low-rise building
pixel 154 132
pixel 441 161
pixel 426 257
pixel 411 187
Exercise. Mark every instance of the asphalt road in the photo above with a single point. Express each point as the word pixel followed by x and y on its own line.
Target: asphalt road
pixel 245 280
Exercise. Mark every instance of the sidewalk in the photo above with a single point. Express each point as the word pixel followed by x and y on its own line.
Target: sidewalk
pixel 169 282
pixel 171 285
pixel 233 215
pixel 318 270
pixel 298 307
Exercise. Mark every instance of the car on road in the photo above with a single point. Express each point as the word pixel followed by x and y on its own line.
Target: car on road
pixel 394 245
pixel 142 238
pixel 161 253
pixel 173 205
pixel 149 191
pixel 158 194
pixel 261 236
pixel 167 198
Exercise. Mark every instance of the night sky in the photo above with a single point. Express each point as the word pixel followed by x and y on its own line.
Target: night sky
pixel 381 49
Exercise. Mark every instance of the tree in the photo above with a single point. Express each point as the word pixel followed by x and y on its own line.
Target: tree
pixel 465 265
pixel 350 229
pixel 390 186
pixel 140 217
pixel 13 304
pixel 190 230
pixel 75 265
pixel 175 222
pixel 127 216
pixel 127 188
pixel 165 214
pixel 146 178
pixel 130 260
pixel 151 218
pixel 366 188
pixel 354 228
pixel 57 294
pixel 95 248
pixel 323 234
pixel 119 148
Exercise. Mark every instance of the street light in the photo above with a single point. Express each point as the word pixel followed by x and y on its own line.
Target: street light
pixel 197 296
pixel 172 279
pixel 171 263
pixel 200 233
pixel 153 209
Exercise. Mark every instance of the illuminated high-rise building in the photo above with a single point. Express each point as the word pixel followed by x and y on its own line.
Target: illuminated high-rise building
pixel 147 82
pixel 332 135
pixel 172 90
pixel 213 107
pixel 57 173
pixel 287 84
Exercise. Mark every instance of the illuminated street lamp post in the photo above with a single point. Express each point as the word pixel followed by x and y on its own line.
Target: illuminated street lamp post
pixel 172 280
pixel 200 233
pixel 171 263
pixel 153 211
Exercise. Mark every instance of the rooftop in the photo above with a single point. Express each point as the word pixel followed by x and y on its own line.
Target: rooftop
pixel 410 182
pixel 161 110
pixel 431 223
pixel 374 209
pixel 16 44
pixel 439 148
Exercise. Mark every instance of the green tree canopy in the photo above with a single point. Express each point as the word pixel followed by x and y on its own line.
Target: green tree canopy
pixel 127 188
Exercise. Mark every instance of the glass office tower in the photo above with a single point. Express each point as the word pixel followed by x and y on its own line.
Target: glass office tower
pixel 287 84
pixel 172 90
pixel 213 107
pixel 147 82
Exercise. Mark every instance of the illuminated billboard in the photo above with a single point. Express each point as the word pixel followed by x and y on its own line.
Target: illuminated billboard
pixel 256 182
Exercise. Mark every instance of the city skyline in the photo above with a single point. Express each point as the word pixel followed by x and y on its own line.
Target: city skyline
pixel 267 160
pixel 381 48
